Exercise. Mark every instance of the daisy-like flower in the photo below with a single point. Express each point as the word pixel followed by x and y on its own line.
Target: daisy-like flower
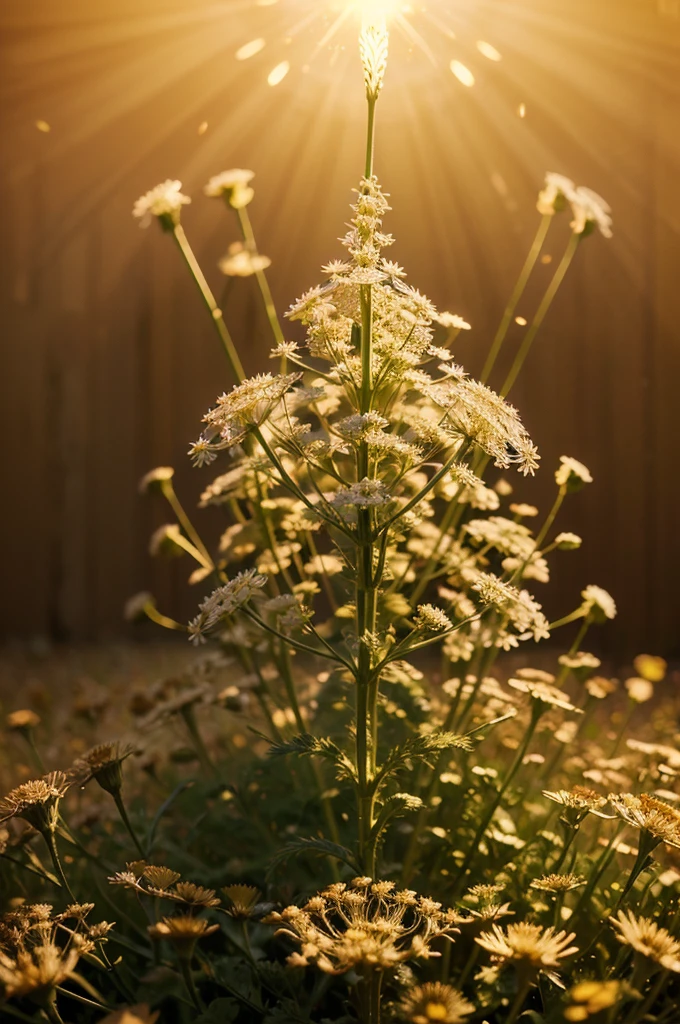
pixel 648 939
pixel 599 687
pixel 164 202
pixel 558 883
pixel 531 948
pixel 434 1003
pixel 242 262
pixel 183 932
pixel 639 690
pixel 364 924
pixel 453 321
pixel 193 895
pixel 160 877
pixel 242 900
pixel 590 211
pixel 431 619
pixel 567 541
pixel 577 803
pixel 650 667
pixel 579 662
pixel 37 801
pixel 591 997
pixel 657 821
pixel 572 474
pixel 556 194
pixel 22 721
pixel 232 185
pixel 597 604
pixel 544 693
pixel 104 764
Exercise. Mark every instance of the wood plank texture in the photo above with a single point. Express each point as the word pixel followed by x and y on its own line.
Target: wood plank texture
pixel 107 362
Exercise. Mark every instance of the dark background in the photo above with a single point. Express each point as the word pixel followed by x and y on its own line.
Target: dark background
pixel 107 360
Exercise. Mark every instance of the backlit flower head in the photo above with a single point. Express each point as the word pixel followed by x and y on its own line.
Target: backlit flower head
pixel 577 803
pixel 225 601
pixel 572 474
pixel 37 801
pixel 589 998
pixel 656 819
pixel 531 948
pixel 242 900
pixel 164 202
pixel 242 262
pixel 598 604
pixel 647 938
pixel 650 667
pixel 232 185
pixel 558 883
pixel 590 212
pixel 182 932
pixel 434 1003
pixel 102 763
pixel 556 194
pixel 364 924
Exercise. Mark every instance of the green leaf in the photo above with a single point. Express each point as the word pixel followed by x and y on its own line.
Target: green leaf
pixel 395 806
pixel 419 748
pixel 320 847
pixel 319 746
pixel 163 809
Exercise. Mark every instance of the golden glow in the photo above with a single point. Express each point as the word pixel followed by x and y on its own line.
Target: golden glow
pixel 488 51
pixel 521 321
pixel 375 12
pixel 278 73
pixel 250 49
pixel 522 110
pixel 462 73
pixel 43 126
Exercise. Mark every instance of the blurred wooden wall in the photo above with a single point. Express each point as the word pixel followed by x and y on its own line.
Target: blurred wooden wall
pixel 108 364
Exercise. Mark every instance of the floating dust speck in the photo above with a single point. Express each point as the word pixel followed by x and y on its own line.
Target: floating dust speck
pixel 521 321
pixel 202 128
pixel 546 259
pixel 43 126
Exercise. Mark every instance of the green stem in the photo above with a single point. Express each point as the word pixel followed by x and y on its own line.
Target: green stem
pixel 184 521
pixel 185 968
pixel 541 313
pixel 118 799
pixel 261 277
pixel 517 293
pixel 51 841
pixel 519 1001
pixel 189 717
pixel 209 299
pixel 536 712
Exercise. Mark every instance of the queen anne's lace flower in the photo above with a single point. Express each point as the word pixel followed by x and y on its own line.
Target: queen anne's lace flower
pixel 365 924
pixel 225 601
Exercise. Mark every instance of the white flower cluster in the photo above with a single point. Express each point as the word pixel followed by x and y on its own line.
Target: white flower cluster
pixel 224 601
